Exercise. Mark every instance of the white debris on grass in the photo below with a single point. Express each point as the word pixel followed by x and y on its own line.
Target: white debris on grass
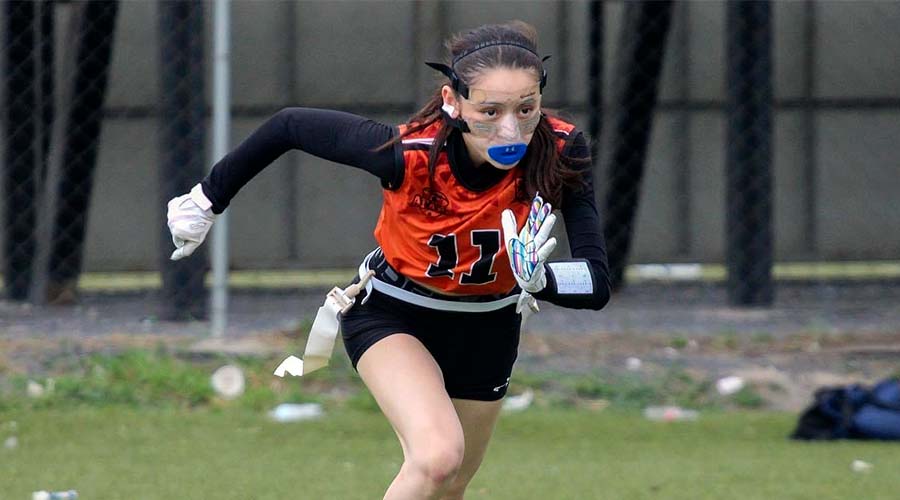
pixel 34 390
pixel 519 402
pixel 633 364
pixel 293 412
pixel 729 385
pixel 55 495
pixel 11 443
pixel 860 466
pixel 669 413
pixel 228 381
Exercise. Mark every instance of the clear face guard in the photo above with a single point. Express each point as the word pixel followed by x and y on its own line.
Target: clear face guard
pixel 504 116
pixel 505 120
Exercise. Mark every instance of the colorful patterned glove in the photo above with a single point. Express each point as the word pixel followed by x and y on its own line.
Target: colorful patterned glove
pixel 529 248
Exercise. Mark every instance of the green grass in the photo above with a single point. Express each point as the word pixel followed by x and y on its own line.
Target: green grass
pixel 119 452
pixel 143 423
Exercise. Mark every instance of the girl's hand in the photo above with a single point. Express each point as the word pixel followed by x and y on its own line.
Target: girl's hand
pixel 529 248
pixel 189 217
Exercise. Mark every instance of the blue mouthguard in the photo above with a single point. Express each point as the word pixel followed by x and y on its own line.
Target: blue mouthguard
pixel 507 154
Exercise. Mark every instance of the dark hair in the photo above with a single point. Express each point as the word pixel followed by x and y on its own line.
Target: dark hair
pixel 545 170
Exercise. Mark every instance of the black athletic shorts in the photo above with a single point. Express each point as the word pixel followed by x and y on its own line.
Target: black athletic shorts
pixel 475 350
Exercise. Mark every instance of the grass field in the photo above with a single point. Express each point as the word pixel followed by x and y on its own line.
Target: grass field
pixel 119 452
pixel 144 423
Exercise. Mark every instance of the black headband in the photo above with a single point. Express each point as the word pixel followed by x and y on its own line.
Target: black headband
pixel 485 45
pixel 456 82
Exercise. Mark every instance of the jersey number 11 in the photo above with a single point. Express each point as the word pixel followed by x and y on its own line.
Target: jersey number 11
pixel 488 243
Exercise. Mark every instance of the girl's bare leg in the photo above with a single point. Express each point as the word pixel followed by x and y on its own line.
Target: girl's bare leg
pixel 477 419
pixel 409 387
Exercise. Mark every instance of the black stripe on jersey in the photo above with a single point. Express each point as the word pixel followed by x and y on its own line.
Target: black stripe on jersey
pixel 416 147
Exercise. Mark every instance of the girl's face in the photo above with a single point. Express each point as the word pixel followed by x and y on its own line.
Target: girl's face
pixel 502 112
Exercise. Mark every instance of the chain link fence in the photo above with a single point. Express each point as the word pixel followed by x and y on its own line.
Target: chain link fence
pixel 744 152
pixel 54 93
pixel 59 119
pixel 715 150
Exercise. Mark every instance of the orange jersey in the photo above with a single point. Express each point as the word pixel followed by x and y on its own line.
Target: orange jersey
pixel 448 237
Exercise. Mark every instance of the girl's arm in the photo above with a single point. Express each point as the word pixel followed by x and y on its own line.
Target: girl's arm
pixel 332 135
pixel 585 234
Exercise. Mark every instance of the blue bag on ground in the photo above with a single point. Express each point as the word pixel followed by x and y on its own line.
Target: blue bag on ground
pixel 853 412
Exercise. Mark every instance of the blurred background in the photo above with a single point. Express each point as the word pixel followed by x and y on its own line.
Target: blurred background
pixel 746 169
pixel 745 162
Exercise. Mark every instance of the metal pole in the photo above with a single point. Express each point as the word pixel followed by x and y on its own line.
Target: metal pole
pixel 21 130
pixel 221 128
pixel 642 46
pixel 429 27
pixel 681 160
pixel 748 156
pixel 291 207
pixel 183 145
pixel 86 78
pixel 561 65
pixel 48 132
pixel 595 78
pixel 810 130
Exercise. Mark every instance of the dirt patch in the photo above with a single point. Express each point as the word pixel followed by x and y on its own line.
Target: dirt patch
pixel 785 371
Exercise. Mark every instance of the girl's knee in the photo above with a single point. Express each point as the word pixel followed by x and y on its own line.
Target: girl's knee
pixel 439 461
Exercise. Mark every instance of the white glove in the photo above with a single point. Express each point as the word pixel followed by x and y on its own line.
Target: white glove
pixel 526 306
pixel 528 250
pixel 190 217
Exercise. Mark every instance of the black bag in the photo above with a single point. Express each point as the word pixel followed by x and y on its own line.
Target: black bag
pixel 853 412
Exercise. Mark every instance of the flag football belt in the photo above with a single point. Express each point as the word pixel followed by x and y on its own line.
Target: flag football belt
pixel 393 284
pixel 376 274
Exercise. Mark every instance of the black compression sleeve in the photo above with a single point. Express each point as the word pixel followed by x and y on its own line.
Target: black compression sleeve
pixel 579 211
pixel 332 135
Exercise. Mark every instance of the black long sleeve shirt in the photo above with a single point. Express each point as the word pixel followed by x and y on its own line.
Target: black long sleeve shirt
pixel 353 140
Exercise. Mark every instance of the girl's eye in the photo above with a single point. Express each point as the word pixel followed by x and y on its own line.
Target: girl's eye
pixel 526 111
pixel 490 113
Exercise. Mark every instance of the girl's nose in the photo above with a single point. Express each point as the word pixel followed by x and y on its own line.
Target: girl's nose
pixel 508 128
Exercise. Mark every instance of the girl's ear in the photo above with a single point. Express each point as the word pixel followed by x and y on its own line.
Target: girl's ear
pixel 451 104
